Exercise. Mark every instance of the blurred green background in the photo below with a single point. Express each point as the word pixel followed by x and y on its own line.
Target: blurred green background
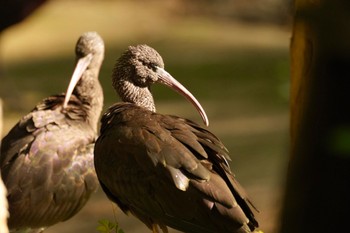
pixel 232 55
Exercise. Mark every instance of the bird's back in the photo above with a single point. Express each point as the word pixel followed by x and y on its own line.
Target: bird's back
pixel 47 164
pixel 169 171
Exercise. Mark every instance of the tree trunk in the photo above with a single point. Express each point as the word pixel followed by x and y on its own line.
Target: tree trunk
pixel 317 197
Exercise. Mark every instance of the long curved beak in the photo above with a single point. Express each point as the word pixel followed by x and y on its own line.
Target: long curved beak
pixel 81 66
pixel 168 80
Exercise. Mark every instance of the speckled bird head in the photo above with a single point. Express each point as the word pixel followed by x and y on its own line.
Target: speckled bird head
pixel 139 63
pixel 137 69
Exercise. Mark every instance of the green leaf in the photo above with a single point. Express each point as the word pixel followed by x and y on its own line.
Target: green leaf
pixel 106 226
pixel 101 229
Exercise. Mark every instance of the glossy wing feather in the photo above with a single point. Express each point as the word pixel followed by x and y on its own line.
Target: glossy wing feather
pixel 168 171
pixel 47 165
pixel 219 156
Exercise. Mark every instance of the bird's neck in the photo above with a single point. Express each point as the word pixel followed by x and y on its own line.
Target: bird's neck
pixel 140 96
pixel 89 92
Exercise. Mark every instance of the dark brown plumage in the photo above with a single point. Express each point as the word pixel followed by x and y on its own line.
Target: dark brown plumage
pixel 47 157
pixel 165 170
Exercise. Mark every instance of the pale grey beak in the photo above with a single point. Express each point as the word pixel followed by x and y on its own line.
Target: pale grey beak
pixel 168 80
pixel 81 66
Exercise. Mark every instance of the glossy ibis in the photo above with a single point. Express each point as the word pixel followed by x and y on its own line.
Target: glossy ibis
pixel 165 170
pixel 47 157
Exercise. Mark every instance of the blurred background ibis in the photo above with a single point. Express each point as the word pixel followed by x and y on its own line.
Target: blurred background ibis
pixel 47 157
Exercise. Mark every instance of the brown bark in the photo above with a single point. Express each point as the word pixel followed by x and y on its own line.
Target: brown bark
pixel 317 197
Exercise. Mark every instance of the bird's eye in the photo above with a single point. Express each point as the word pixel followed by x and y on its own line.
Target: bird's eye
pixel 79 52
pixel 152 66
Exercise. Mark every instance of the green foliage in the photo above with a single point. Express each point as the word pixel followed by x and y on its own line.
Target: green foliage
pixel 106 226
